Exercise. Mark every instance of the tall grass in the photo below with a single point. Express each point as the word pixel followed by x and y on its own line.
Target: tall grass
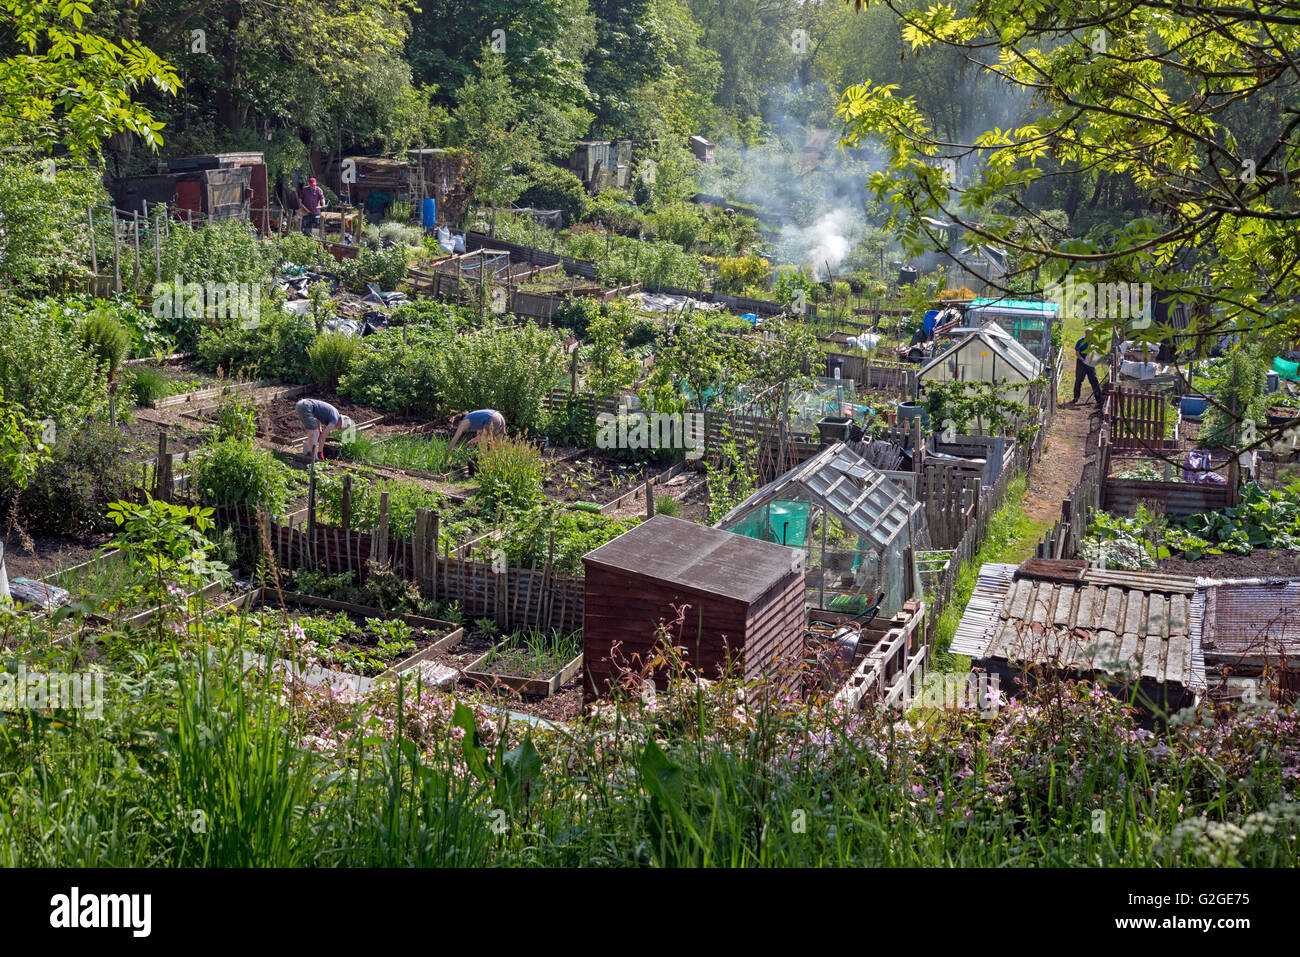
pixel 510 473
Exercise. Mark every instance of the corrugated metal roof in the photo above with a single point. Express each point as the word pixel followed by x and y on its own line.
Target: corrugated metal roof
pixel 975 630
pixel 1129 628
pixel 698 559
pixel 1251 621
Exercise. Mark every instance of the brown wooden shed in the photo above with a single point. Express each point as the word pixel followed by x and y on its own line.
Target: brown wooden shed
pixel 744 600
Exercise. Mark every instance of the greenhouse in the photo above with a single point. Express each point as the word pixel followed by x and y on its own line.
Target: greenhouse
pixel 855 524
pixel 986 354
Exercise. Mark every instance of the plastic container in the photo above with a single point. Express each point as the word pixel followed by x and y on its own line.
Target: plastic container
pixel 429 214
pixel 909 410
pixel 834 428
pixel 1193 406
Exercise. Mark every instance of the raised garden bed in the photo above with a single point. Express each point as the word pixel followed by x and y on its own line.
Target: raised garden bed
pixel 529 663
pixel 378 643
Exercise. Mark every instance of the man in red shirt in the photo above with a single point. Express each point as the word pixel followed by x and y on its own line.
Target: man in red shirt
pixel 312 199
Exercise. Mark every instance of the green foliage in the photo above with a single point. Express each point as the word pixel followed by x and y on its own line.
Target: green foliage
pixel 731 475
pixel 1237 395
pixel 398 376
pixel 330 357
pixel 1262 519
pixel 236 418
pixel 612 368
pixel 71 488
pixel 981 405
pixel 21 449
pixel 551 187
pixel 276 349
pixel 237 471
pixel 59 57
pixel 510 473
pixel 667 505
pixel 425 453
pixel 45 368
pixel 404 499
pixel 678 223
pixel 45 247
pixel 508 369
pixel 527 536
pixel 384 267
pixel 169 541
pixel 1127 543
pixel 104 337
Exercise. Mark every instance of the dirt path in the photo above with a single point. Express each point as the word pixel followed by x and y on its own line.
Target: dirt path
pixel 1060 468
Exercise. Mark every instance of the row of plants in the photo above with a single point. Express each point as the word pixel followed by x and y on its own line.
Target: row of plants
pixel 1263 518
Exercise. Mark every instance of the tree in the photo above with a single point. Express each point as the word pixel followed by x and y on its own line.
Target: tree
pixel 71 88
pixel 1194 108
pixel 493 130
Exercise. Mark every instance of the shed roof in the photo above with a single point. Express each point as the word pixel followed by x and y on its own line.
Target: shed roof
pixel 842 482
pixel 996 339
pixel 1252 620
pixel 698 559
pixel 1086 619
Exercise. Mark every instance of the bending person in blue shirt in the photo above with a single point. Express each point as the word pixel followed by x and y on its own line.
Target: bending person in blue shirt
pixel 481 422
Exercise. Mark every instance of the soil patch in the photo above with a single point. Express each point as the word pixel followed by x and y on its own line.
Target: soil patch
pixel 50 553
pixel 1058 471
pixel 1260 563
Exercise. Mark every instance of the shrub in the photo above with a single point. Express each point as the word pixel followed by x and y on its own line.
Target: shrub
pixel 509 370
pixel 276 349
pixel 529 532
pixel 386 268
pixel 555 188
pixel 295 249
pixel 46 243
pixel 238 472
pixel 71 492
pixel 105 338
pixel 45 368
pixel 735 274
pixel 575 314
pixel 330 356
pixel 394 375
pixel 677 223
pixel 510 473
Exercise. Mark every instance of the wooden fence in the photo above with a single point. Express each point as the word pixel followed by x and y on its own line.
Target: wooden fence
pixel 872 373
pixel 512 596
pixel 1138 421
pixel 1062 540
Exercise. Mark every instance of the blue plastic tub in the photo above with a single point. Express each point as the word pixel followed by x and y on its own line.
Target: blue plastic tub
pixel 1193 406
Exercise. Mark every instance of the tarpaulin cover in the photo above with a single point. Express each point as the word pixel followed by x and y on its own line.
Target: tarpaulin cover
pixel 783 521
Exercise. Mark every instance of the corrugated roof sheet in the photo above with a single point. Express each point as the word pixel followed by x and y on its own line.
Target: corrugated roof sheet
pixel 1134 627
pixel 1253 620
pixel 975 629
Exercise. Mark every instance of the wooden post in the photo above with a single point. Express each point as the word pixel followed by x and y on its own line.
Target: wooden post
pixel 433 539
pixel 311 515
pixel 158 476
pixel 379 546
pixel 421 545
pixel 117 256
pixel 649 500
pixel 345 507
pixel 94 250
pixel 157 248
pixel 135 228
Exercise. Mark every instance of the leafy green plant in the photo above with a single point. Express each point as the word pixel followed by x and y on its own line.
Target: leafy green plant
pixel 44 367
pixel 667 505
pixel 425 453
pixel 147 384
pixel 171 542
pixel 236 418
pixel 510 473
pixel 330 357
pixel 72 487
pixel 237 471
pixel 274 349
pixel 528 534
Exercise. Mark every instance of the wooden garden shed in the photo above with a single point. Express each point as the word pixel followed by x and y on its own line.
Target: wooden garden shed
pixel 743 601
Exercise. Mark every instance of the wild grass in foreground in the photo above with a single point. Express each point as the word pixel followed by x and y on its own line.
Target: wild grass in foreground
pixel 203 758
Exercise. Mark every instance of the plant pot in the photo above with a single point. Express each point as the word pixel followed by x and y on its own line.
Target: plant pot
pixel 1280 415
pixel 1193 406
pixel 834 428
pixel 909 410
